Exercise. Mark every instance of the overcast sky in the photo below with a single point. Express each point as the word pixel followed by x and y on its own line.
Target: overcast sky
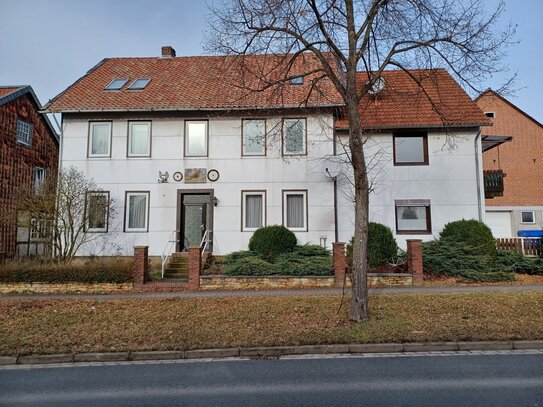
pixel 51 43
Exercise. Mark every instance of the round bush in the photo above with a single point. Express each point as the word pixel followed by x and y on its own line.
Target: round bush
pixel 471 233
pixel 271 241
pixel 382 246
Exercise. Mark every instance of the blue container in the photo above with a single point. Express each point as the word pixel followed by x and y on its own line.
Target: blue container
pixel 530 233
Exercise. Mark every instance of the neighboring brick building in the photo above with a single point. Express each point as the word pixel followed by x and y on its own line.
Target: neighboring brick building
pixel 521 159
pixel 29 149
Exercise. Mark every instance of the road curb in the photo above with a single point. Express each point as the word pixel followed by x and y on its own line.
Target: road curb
pixel 255 352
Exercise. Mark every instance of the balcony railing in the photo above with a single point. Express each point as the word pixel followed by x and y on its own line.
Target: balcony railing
pixel 493 180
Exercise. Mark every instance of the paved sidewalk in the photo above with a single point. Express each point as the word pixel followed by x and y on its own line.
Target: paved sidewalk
pixel 308 292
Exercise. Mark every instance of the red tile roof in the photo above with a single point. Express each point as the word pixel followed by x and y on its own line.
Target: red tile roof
pixel 439 101
pixel 6 90
pixel 193 83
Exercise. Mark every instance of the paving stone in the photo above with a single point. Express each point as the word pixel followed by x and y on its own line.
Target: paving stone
pixel 321 349
pixel 157 355
pixel 375 347
pixel 35 359
pixel 211 353
pixel 528 344
pixel 101 357
pixel 429 346
pixel 8 360
pixel 273 351
pixel 485 345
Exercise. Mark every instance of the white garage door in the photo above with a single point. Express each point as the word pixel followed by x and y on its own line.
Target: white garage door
pixel 499 223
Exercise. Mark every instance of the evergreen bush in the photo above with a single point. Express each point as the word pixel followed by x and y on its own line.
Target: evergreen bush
pixel 270 241
pixel 472 233
pixel 250 266
pixel 382 246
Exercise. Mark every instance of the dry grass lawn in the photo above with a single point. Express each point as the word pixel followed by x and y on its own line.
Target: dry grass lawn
pixel 64 326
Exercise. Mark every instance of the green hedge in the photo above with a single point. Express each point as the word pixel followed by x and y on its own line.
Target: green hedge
pixel 459 260
pixel 96 271
pixel 306 260
pixel 515 262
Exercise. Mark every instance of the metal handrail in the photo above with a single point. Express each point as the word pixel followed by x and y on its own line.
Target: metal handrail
pixel 206 239
pixel 168 250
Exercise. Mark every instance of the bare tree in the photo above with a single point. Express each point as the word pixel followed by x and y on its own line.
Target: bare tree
pixel 369 36
pixel 67 211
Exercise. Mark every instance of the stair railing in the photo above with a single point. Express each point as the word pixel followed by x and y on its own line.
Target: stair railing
pixel 168 250
pixel 207 239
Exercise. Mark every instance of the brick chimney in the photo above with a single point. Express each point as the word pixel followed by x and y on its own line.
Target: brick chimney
pixel 168 52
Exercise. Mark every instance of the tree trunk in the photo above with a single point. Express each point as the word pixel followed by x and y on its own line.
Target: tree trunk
pixel 359 301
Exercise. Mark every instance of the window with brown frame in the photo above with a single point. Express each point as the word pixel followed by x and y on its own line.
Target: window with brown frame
pixel 413 217
pixel 410 148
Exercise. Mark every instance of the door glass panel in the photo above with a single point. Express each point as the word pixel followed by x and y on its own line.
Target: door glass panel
pixel 193 225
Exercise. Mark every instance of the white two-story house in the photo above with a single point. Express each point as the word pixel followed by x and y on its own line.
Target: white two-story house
pixel 191 147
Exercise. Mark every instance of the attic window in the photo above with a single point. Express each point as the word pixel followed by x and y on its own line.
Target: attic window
pixel 139 84
pixel 490 114
pixel 297 80
pixel 116 84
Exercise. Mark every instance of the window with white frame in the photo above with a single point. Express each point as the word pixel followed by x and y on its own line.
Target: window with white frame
pixel 39 178
pixel 24 133
pixel 137 211
pixel 527 216
pixel 253 208
pixel 97 211
pixel 139 139
pixel 196 134
pixel 99 139
pixel 254 137
pixel 39 229
pixel 294 137
pixel 413 216
pixel 295 210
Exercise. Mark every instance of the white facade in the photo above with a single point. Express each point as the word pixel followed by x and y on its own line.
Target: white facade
pixel 448 184
pixel 271 173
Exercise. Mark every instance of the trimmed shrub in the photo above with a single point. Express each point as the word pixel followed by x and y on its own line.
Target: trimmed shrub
pixel 271 241
pixel 382 246
pixel 294 264
pixel 471 233
pixel 458 260
pixel 250 266
pixel 94 271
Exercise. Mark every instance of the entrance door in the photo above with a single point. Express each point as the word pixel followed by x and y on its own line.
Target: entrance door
pixel 195 219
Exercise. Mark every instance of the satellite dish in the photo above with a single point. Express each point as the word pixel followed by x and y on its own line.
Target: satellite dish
pixel 377 87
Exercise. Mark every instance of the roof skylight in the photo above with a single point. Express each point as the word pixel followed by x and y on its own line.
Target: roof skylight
pixel 140 83
pixel 116 84
pixel 297 80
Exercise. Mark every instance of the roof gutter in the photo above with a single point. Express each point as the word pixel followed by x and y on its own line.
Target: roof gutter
pixel 190 109
pixel 478 173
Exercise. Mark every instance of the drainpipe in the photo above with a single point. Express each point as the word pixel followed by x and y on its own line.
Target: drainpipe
pixel 478 173
pixel 60 139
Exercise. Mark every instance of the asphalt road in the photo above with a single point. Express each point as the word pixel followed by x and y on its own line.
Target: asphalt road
pixel 451 380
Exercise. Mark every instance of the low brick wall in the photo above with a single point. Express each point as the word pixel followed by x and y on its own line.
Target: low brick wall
pixel 219 282
pixel 50 288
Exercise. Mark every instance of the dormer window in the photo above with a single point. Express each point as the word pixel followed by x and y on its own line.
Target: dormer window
pixel 139 84
pixel 116 84
pixel 297 80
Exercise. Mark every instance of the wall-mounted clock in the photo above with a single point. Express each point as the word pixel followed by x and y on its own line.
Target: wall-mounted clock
pixel 177 176
pixel 213 175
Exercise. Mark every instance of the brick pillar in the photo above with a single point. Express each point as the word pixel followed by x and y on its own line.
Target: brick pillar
pixel 195 265
pixel 141 260
pixel 414 259
pixel 340 261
